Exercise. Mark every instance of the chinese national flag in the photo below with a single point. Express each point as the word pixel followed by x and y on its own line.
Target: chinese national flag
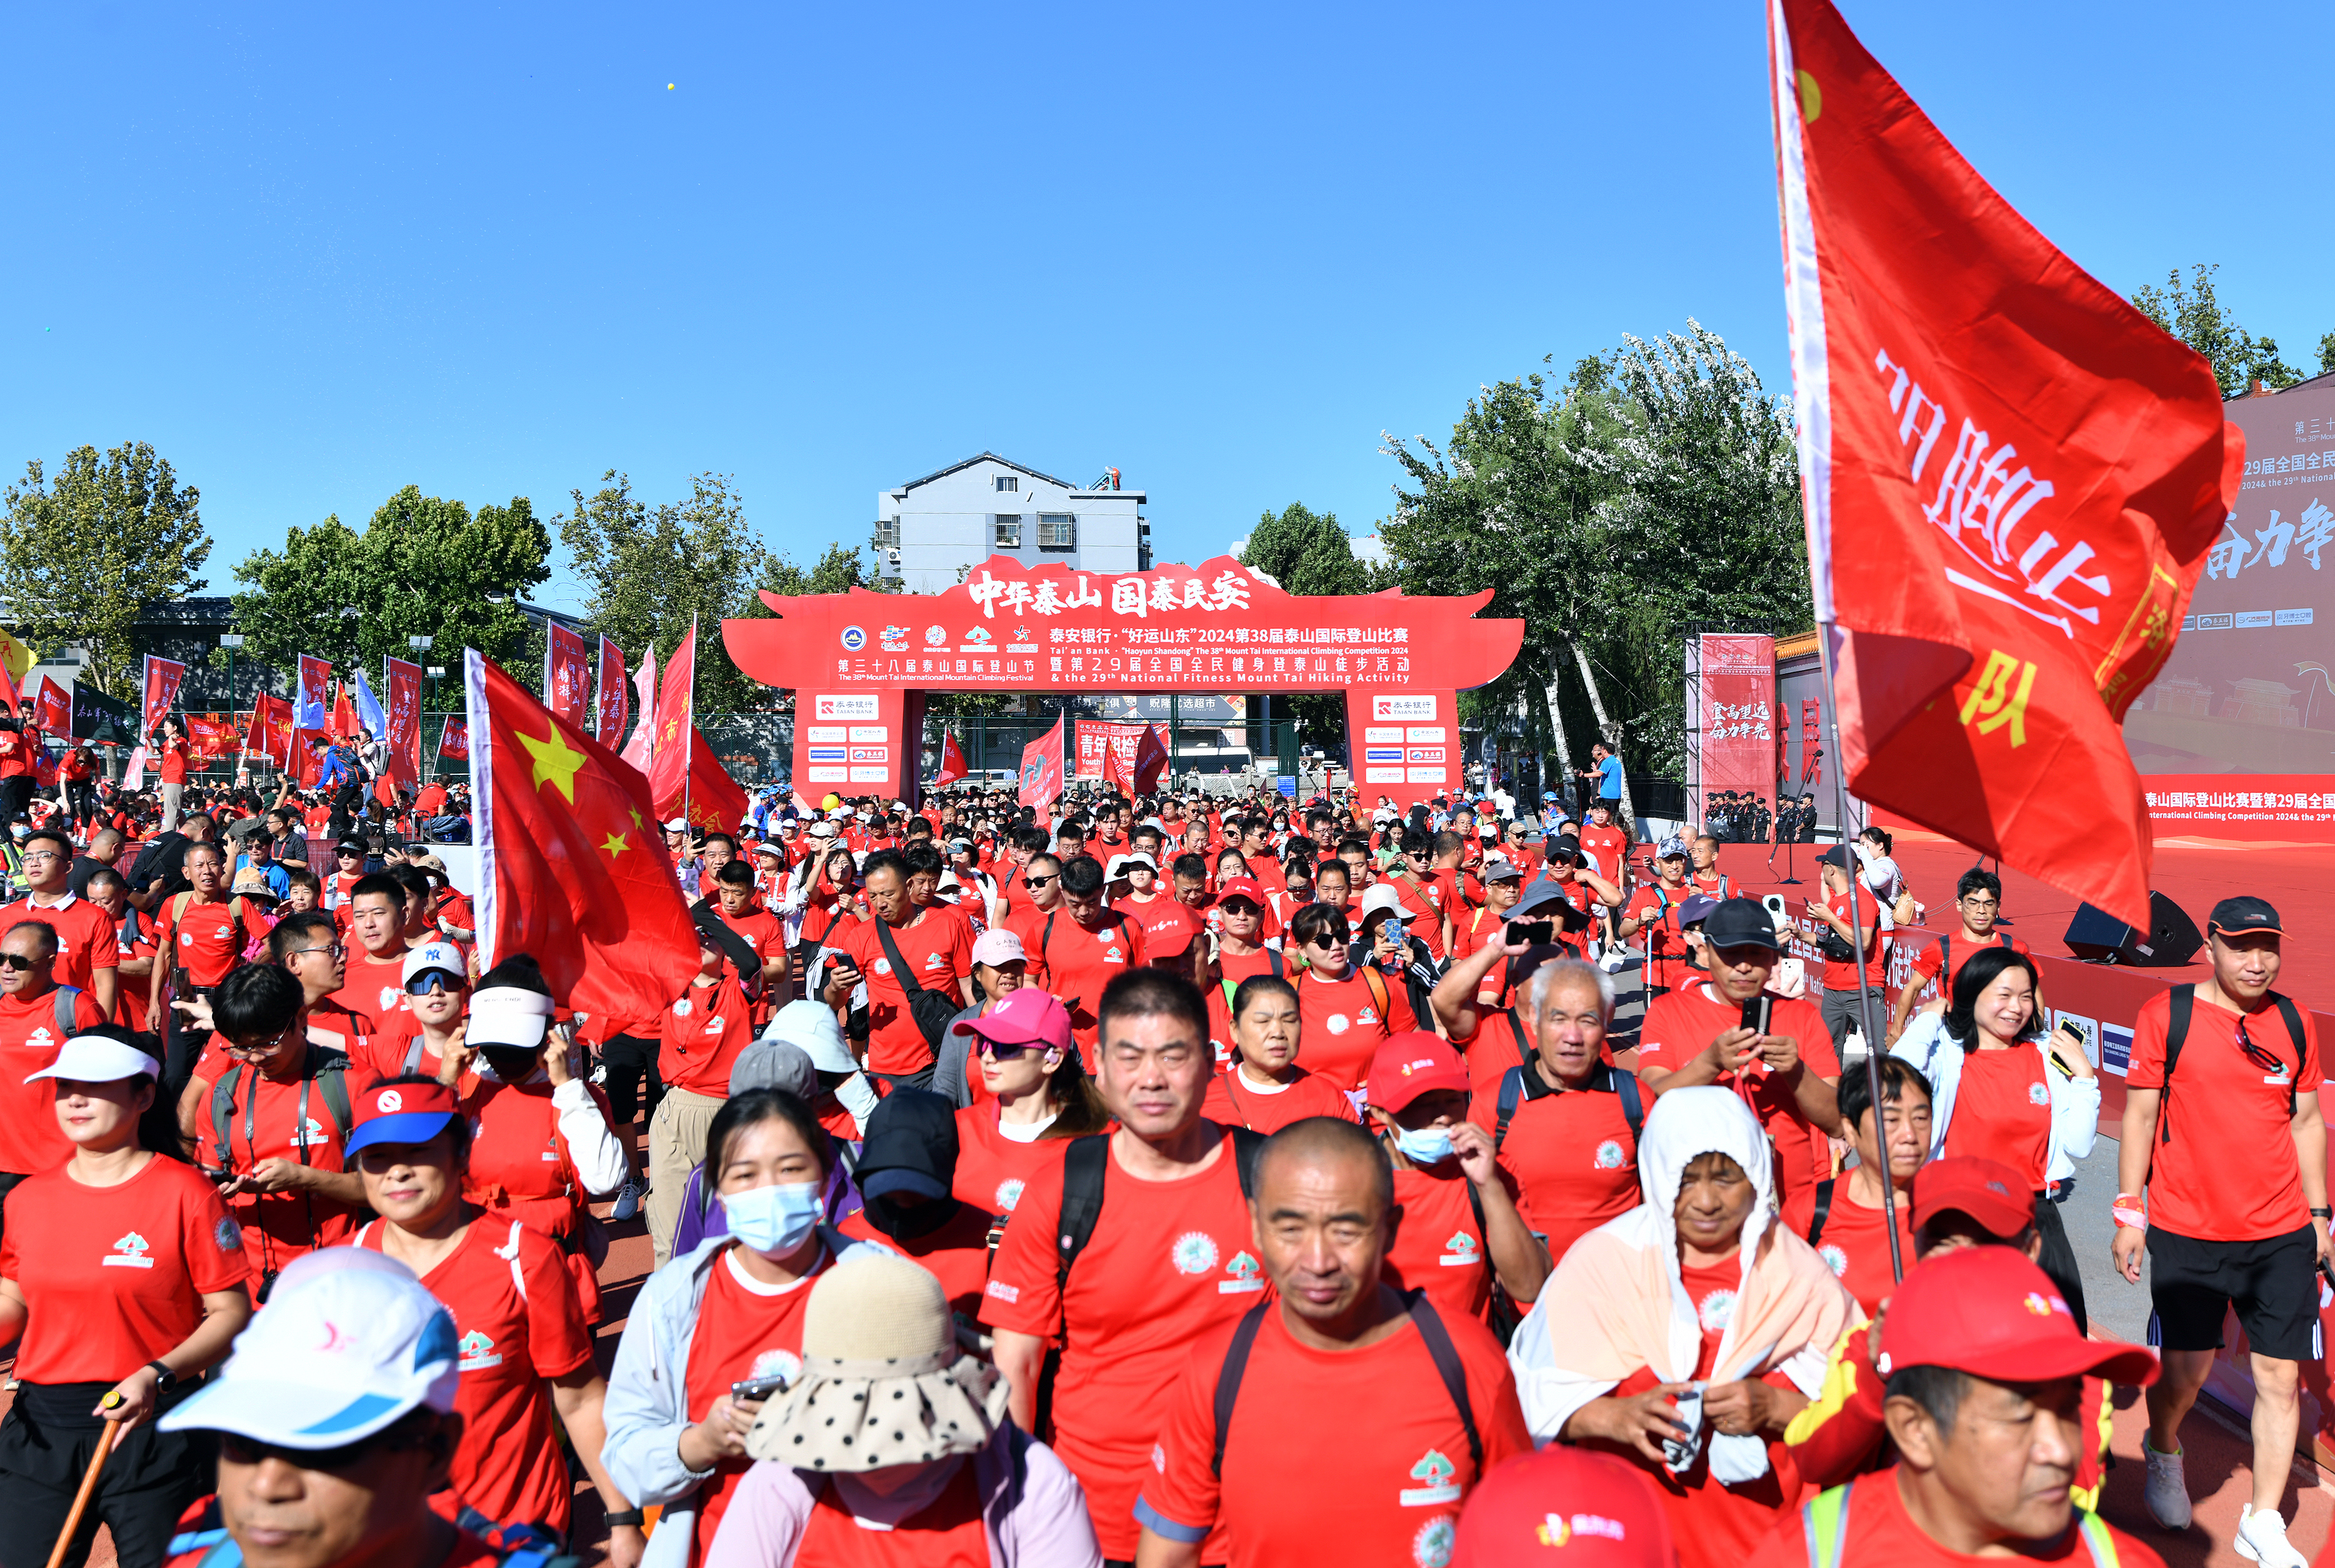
pixel 676 719
pixel 571 870
pixel 1042 769
pixel 952 766
pixel 1150 758
pixel 2010 479
pixel 345 712
pixel 716 802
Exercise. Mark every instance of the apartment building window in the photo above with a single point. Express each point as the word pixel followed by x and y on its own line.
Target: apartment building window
pixel 1008 482
pixel 1007 533
pixel 1057 531
pixel 887 533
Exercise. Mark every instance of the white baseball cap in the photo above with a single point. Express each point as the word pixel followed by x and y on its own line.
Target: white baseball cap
pixel 998 947
pixel 98 1059
pixel 442 956
pixel 349 1343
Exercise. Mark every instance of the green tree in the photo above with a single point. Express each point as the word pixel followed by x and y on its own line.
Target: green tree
pixel 83 555
pixel 423 566
pixel 2193 314
pixel 2327 353
pixel 1307 553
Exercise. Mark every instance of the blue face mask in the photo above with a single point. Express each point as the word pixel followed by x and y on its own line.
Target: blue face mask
pixel 775 1220
pixel 1424 1145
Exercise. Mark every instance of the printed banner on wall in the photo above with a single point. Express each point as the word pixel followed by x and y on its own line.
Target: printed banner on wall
pixel 1737 735
pixel 1098 740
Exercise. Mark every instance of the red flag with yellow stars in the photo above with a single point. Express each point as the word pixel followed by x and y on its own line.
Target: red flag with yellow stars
pixel 571 869
pixel 716 802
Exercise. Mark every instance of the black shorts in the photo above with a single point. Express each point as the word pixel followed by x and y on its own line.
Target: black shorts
pixel 2273 1284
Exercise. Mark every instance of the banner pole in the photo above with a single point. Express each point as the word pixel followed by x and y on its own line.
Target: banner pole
pixel 1872 1043
pixel 689 740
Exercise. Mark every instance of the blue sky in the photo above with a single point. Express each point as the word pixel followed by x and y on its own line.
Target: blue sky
pixel 313 255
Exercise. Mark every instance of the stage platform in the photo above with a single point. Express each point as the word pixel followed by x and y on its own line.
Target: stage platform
pixel 2298 881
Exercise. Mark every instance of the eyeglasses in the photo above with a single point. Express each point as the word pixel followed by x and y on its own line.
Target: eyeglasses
pixel 333 949
pixel 432 980
pixel 263 1048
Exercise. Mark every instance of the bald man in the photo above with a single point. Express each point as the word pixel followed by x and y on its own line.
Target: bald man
pixel 1360 1415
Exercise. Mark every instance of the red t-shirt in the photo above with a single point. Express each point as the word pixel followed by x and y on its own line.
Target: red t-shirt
pixel 1680 1025
pixel 2004 1111
pixel 2229 1173
pixel 115 1276
pixel 1961 949
pixel 1657 908
pixel 957 1254
pixel 766 934
pixel 516 1313
pixel 1168 1262
pixel 1571 1154
pixel 1711 1290
pixel 87 938
pixel 938 949
pixel 134 938
pixel 207 940
pixel 174 763
pixel 266 1122
pixel 1226 976
pixel 1853 1244
pixel 374 987
pixel 1342 1024
pixel 745 1330
pixel 1169 927
pixel 1611 845
pixel 1880 1531
pixel 949 1532
pixel 1075 964
pixel 1422 904
pixel 1235 1101
pixel 703 1032
pixel 30 1139
pixel 992 1169
pixel 1353 1457
pixel 1839 975
pixel 1439 1248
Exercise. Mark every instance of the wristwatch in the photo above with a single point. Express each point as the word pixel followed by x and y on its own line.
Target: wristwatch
pixel 165 1379
pixel 633 1516
pixel 2322 1214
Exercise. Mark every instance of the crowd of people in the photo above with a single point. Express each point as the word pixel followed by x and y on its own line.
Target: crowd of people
pixel 1163 1181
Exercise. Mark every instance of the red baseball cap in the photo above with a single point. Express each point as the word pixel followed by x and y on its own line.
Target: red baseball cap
pixel 1414 1062
pixel 1987 1190
pixel 1990 1312
pixel 1599 1509
pixel 1028 1016
pixel 401 1113
pixel 1242 887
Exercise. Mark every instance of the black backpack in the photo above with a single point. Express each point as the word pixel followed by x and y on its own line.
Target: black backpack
pixel 2181 1002
pixel 1512 1093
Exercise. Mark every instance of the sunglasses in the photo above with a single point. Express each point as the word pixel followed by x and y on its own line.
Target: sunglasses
pixel 432 980
pixel 1329 942
pixel 998 1050
pixel 238 1449
pixel 17 961
pixel 1040 881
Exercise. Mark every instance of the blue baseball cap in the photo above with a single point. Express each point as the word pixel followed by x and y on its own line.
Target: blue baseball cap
pixel 401 1113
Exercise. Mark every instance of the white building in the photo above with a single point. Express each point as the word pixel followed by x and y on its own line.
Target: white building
pixel 931 530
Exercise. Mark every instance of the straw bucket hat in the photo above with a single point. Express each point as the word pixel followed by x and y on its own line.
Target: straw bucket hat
pixel 882 1382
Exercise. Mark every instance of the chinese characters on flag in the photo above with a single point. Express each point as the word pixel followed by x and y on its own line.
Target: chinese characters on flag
pixel 52 708
pixel 404 717
pixel 161 689
pixel 570 868
pixel 1734 721
pixel 269 732
pixel 567 672
pixel 675 723
pixel 455 741
pixel 2010 479
pixel 608 718
pixel 314 683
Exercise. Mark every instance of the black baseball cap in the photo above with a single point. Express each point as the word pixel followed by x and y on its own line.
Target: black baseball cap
pixel 1740 922
pixel 1839 855
pixel 2242 917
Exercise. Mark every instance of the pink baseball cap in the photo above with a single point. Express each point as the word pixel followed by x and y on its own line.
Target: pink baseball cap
pixel 1026 1017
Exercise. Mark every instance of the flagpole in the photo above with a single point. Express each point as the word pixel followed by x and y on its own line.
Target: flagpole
pixel 689 741
pixel 1872 1043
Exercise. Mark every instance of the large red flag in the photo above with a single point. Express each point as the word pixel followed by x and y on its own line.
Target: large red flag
pixel 570 870
pixel 10 692
pixel 161 689
pixel 676 722
pixel 2010 479
pixel 716 802
pixel 1116 773
pixel 1042 769
pixel 269 732
pixel 404 737
pixel 1150 758
pixel 345 712
pixel 608 717
pixel 307 764
pixel 54 705
pixel 455 741
pixel 312 691
pixel 567 672
pixel 952 766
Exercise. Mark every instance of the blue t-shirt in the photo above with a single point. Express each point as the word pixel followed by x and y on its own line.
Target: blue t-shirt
pixel 1609 779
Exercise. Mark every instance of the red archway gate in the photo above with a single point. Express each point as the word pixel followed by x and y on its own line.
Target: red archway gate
pixel 860 663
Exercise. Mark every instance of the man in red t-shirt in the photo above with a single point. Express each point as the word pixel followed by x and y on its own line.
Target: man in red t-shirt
pixel 1170 928
pixel 934 945
pixel 374 982
pixel 1979 1348
pixel 1829 924
pixel 1977 899
pixel 2221 1175
pixel 1166 1260
pixel 201 937
pixel 1344 1440
pixel 1082 947
pixel 1785 1072
pixel 703 1031
pixel 1609 845
pixel 88 945
pixel 738 908
pixel 1652 919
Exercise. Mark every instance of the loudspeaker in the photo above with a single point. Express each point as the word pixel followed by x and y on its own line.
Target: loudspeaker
pixel 2171 939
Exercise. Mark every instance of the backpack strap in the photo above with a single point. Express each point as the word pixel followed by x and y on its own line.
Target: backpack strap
pixel 1044 938
pixel 1512 1094
pixel 1248 1147
pixel 1824 1208
pixel 223 1108
pixel 67 996
pixel 1379 994
pixel 1228 1380
pixel 1516 1027
pixel 1440 1349
pixel 1824 1518
pixel 1083 1171
pixel 1273 953
pixel 1632 1097
pixel 2097 1540
pixel 2181 1001
pixel 331 1071
pixel 2293 1033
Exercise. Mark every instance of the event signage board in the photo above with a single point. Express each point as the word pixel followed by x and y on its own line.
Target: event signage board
pixel 2238 731
pixel 1095 741
pixel 868 658
pixel 1732 721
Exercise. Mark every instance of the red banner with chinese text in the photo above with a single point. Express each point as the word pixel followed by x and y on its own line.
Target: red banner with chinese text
pixel 404 737
pixel 608 713
pixel 1737 732
pixel 161 689
pixel 1097 739
pixel 455 741
pixel 566 673
pixel 52 708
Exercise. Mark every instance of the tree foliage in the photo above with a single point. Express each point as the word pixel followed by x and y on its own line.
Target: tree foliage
pixel 1308 553
pixel 2193 314
pixel 648 569
pixel 1654 489
pixel 423 566
pixel 83 554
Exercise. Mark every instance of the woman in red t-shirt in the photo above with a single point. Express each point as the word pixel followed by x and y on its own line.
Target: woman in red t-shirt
pixel 1851 1237
pixel 126 1280
pixel 525 1355
pixel 1036 1097
pixel 1265 1090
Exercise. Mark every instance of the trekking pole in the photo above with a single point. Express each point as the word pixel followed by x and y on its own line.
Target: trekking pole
pixel 88 1485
